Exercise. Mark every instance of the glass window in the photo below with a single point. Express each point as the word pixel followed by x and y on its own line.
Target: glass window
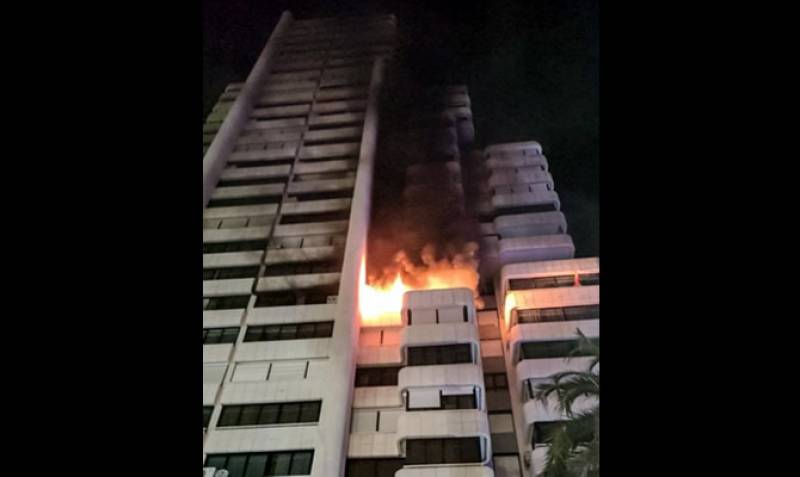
pixel 249 415
pixel 288 332
pixel 256 465
pixel 236 465
pixel 254 333
pixel 290 412
pixel 214 336
pixel 434 452
pixel 229 335
pixel 325 329
pixel 269 414
pixel 549 349
pixel 271 333
pixel 279 463
pixel 305 330
pixel 216 461
pixel 470 450
pixel 452 451
pixel 309 411
pixel 301 463
pixel 229 416
pixel 415 452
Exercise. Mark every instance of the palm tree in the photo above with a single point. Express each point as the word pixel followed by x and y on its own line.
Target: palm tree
pixel 575 444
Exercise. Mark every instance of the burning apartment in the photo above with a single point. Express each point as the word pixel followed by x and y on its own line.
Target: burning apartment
pixel 379 296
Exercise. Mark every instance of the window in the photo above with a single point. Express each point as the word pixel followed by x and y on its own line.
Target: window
pixel 324 195
pixel 220 335
pixel 230 272
pixel 289 331
pixel 443 451
pixel 529 209
pixel 300 268
pixel 551 349
pixel 270 414
pixel 263 464
pixel 254 200
pixel 532 384
pixel 207 410
pixel 459 401
pixel 258 181
pixel 495 381
pixel 317 217
pixel 543 431
pixel 553 282
pixel 373 467
pixel 541 282
pixel 447 354
pixel 566 313
pixel 240 246
pixel 307 296
pixel 387 376
pixel 226 302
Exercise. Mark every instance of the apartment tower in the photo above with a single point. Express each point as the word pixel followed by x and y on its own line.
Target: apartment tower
pixel 293 384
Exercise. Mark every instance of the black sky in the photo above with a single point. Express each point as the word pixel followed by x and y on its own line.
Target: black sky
pixel 531 68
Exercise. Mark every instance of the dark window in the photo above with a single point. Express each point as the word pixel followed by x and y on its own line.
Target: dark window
pixel 300 268
pixel 207 410
pixel 294 331
pixel 230 272
pixel 312 218
pixel 541 282
pixel 240 246
pixel 377 376
pixel 254 200
pixel 334 194
pixel 550 349
pixel 495 381
pixel 566 313
pixel 543 431
pixel 528 209
pixel 226 302
pixel 443 451
pixel 459 401
pixel 307 296
pixel 589 278
pixel 263 464
pixel 220 335
pixel 273 413
pixel 258 181
pixel 447 354
pixel 373 467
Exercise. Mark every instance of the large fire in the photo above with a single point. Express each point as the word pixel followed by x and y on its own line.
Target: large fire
pixel 381 299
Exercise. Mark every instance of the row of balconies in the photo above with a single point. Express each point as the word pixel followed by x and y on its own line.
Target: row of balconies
pixel 436 318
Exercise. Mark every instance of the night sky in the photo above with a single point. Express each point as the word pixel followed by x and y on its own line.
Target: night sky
pixel 531 68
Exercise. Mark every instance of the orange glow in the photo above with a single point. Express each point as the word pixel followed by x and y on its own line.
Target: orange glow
pixel 381 302
pixel 380 306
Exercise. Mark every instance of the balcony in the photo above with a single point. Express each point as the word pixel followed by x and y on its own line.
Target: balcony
pixel 439 334
pixel 538 248
pixel 464 374
pixel 446 471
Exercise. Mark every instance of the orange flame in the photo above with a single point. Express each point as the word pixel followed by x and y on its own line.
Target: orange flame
pixel 380 302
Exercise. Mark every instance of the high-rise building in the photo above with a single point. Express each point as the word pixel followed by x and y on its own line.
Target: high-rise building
pixel 295 380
